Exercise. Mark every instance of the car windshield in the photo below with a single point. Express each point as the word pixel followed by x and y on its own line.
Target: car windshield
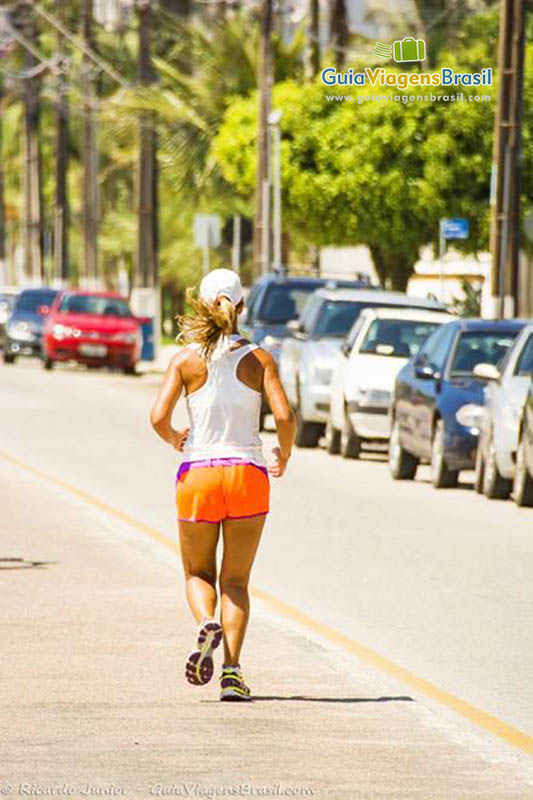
pixel 30 301
pixel 480 347
pixel 95 304
pixel 397 338
pixel 335 318
pixel 284 302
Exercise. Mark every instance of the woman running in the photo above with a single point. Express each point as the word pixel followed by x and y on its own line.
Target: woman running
pixel 223 483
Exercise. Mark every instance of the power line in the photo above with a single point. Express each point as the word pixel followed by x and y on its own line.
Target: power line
pixel 80 45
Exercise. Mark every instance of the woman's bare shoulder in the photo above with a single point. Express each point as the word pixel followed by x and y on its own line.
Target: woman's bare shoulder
pixel 187 357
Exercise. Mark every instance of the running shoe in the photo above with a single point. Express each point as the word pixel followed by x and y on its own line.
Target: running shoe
pixel 199 666
pixel 232 685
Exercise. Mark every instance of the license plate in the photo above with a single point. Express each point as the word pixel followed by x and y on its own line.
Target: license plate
pixel 98 350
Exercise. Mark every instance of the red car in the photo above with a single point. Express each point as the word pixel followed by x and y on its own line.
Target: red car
pixel 92 328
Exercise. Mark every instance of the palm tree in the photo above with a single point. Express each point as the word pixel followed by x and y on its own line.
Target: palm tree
pixel 208 67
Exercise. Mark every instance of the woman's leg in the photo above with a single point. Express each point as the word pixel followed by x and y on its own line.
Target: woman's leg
pixel 241 538
pixel 198 543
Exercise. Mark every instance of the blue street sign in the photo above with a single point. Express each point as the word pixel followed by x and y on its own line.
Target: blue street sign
pixel 457 228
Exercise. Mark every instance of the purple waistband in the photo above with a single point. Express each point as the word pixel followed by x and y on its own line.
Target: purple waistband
pixel 185 466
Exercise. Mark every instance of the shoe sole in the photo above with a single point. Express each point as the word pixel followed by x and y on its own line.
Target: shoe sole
pixel 233 696
pixel 199 667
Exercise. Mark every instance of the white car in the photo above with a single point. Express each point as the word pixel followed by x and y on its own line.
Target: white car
pixel 505 395
pixel 308 356
pixel 381 342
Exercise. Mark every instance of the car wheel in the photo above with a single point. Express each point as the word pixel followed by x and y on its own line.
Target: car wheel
pixel 402 464
pixel 523 481
pixel 48 363
pixel 350 443
pixel 9 358
pixel 131 370
pixel 480 471
pixel 442 476
pixel 307 433
pixel 495 486
pixel 333 439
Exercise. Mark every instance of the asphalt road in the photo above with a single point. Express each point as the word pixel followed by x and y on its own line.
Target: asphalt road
pixel 437 582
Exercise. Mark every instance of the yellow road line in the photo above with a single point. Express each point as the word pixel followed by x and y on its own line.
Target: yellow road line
pixel 487 722
pixel 94 501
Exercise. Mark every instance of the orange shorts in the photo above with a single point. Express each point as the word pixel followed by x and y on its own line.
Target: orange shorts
pixel 221 488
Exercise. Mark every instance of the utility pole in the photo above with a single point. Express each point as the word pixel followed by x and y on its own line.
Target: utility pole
pixel 314 39
pixel 33 257
pixel 505 190
pixel 90 169
pixel 3 265
pixel 515 142
pixel 61 210
pixel 261 237
pixel 147 272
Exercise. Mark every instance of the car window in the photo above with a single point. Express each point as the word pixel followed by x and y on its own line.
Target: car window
pixel 480 347
pixel 356 328
pixel 430 343
pixel 396 338
pixel 30 301
pixel 336 318
pixel 251 302
pixel 283 302
pixel 524 365
pixel 310 312
pixel 95 304
pixel 438 354
pixel 505 360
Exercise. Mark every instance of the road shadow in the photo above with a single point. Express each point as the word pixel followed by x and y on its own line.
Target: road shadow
pixel 306 699
pixel 467 485
pixel 22 563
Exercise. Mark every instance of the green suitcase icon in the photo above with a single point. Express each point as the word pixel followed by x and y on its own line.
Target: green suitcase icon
pixel 409 49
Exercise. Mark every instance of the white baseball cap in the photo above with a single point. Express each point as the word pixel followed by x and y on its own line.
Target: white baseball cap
pixel 221 283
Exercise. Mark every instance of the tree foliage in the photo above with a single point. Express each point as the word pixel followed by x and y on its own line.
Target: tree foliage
pixel 381 173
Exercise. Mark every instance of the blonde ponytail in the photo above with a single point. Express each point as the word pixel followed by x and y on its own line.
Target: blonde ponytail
pixel 209 323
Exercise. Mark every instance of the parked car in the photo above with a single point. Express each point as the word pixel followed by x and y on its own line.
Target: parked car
pixel 364 374
pixel 505 395
pixel 25 325
pixel 523 476
pixel 437 404
pixel 8 295
pixel 308 354
pixel 92 328
pixel 273 301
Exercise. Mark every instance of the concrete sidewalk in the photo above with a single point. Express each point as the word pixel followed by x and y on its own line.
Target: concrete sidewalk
pixel 95 632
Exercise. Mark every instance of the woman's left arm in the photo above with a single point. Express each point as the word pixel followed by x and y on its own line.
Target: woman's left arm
pixel 164 405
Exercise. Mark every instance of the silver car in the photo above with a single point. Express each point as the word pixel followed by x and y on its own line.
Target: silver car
pixel 505 395
pixel 307 357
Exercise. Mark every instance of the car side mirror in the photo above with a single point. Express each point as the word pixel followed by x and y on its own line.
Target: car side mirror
pixel 487 372
pixel 425 372
pixel 43 310
pixel 346 349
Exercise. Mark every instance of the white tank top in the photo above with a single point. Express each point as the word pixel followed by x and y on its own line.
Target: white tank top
pixel 224 412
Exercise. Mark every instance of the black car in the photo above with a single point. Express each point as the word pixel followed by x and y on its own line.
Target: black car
pixel 24 328
pixel 523 476
pixel 437 404
pixel 274 300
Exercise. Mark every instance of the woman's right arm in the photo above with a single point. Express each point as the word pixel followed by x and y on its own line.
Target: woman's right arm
pixel 167 398
pixel 283 414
